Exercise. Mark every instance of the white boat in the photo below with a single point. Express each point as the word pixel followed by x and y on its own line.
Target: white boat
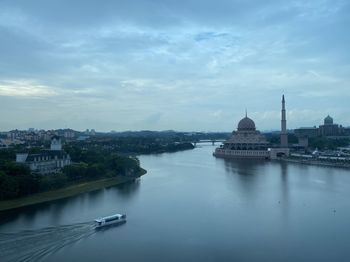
pixel 109 220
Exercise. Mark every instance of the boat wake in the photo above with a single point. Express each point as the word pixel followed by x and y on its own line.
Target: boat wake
pixel 34 245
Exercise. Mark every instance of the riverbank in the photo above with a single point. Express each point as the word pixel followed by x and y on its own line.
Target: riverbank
pixel 317 163
pixel 66 192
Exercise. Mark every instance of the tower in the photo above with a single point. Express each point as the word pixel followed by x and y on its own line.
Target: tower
pixel 284 135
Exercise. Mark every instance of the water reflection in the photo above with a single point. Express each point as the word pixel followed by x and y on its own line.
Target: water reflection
pixel 260 181
pixel 95 197
pixel 23 214
pixel 192 206
pixel 55 210
pixel 243 167
pixel 127 190
pixel 244 174
pixel 284 202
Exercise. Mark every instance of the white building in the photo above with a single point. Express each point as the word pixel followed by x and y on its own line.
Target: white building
pixel 69 134
pixel 49 161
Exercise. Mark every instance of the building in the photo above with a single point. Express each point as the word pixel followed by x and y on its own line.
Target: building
pixel 283 149
pixel 69 134
pixel 2 144
pixel 284 134
pixel 327 129
pixel 48 161
pixel 247 142
pixel 346 131
pixel 306 132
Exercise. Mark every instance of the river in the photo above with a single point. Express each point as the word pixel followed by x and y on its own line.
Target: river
pixel 191 206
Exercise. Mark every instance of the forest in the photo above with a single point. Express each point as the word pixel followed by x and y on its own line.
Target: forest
pixel 16 180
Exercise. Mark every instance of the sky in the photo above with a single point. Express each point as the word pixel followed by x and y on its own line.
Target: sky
pixel 193 65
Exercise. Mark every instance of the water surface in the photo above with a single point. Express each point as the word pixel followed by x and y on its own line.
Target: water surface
pixel 193 207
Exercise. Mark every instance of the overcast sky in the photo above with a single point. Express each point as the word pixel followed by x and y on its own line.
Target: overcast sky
pixel 191 65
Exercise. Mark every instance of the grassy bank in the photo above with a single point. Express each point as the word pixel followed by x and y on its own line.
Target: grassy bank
pixel 64 192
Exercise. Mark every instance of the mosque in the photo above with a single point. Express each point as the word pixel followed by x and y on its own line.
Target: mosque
pixel 247 142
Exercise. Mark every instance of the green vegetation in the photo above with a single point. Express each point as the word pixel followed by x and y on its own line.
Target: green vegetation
pixel 7 155
pixel 129 145
pixel 95 159
pixel 323 143
pixel 16 180
pixel 275 138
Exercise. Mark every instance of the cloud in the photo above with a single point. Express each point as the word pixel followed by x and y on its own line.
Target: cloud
pixel 25 89
pixel 184 65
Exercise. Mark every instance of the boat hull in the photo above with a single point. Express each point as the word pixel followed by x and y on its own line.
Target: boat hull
pixel 110 224
pixel 110 220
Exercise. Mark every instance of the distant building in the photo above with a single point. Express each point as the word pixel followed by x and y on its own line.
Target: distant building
pixel 346 131
pixel 69 134
pixel 2 144
pixel 83 138
pixel 56 144
pixel 306 132
pixel 91 132
pixel 246 142
pixel 284 134
pixel 327 129
pixel 283 149
pixel 49 161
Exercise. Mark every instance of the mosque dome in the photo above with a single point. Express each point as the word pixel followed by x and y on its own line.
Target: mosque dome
pixel 328 120
pixel 246 124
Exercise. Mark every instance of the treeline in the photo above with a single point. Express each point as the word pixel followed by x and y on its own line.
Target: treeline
pixel 169 135
pixel 133 145
pixel 275 138
pixel 16 180
pixel 323 143
pixel 93 159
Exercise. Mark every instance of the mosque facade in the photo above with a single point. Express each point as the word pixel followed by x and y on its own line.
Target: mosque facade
pixel 247 142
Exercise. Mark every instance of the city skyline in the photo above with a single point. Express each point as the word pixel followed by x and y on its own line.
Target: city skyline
pixel 89 130
pixel 160 65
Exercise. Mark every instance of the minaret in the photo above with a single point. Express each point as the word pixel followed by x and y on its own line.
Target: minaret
pixel 284 135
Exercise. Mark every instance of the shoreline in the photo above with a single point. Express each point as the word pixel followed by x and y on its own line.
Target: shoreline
pixel 66 192
pixel 317 163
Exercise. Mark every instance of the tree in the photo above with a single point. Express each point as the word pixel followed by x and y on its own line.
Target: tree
pixel 75 171
pixel 8 187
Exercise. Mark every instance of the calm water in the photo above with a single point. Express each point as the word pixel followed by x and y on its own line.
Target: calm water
pixel 193 207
